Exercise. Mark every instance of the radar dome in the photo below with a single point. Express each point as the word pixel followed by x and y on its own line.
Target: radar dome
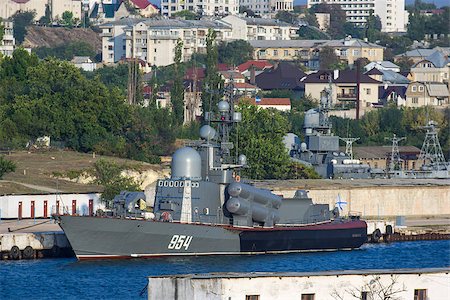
pixel 242 160
pixel 312 118
pixel 186 164
pixel 207 132
pixel 224 106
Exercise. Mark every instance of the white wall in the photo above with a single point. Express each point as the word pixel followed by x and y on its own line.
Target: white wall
pixel 9 204
pixel 290 286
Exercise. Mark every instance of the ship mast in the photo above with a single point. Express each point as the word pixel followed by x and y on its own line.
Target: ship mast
pixel 395 161
pixel 431 153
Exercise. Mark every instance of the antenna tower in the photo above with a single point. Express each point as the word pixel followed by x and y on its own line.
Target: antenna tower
pixel 431 152
pixel 349 145
pixel 395 161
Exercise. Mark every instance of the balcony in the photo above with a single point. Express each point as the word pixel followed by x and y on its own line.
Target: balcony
pixel 346 96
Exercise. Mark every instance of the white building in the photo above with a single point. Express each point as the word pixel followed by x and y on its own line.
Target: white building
pixel 154 41
pixel 57 8
pixel 392 13
pixel 382 65
pixel 43 206
pixel 268 8
pixel 260 29
pixel 205 8
pixel 8 43
pixel 417 284
pixel 84 63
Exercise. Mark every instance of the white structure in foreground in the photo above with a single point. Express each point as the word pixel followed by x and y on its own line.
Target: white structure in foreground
pixel 43 206
pixel 408 284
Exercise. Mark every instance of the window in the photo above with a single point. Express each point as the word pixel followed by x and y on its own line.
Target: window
pixel 368 91
pixel 307 296
pixel 365 296
pixel 356 52
pixel 275 52
pixel 252 297
pixel 415 100
pixel 110 48
pixel 420 294
pixel 414 88
pixel 421 88
pixel 286 52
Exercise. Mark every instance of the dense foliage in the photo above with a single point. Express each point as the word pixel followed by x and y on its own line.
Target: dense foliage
pixel 235 53
pixel 6 166
pixel 54 98
pixel 21 21
pixel 66 51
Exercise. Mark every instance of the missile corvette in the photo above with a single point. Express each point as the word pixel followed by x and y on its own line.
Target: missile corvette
pixel 204 208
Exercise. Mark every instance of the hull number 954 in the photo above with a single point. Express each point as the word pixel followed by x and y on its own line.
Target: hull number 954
pixel 180 241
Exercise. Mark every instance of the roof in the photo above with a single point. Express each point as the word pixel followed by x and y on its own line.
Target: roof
pixel 245 85
pixel 283 76
pixel 437 58
pixel 257 64
pixel 351 43
pixel 373 71
pixel 437 90
pixel 141 4
pixel 374 152
pixel 195 72
pixel 397 89
pixel 231 74
pixel 345 76
pixel 268 101
pixel 386 64
pixel 394 77
pixel 266 22
pixel 81 59
pixel 286 43
pixel 424 52
pixel 223 67
pixel 108 9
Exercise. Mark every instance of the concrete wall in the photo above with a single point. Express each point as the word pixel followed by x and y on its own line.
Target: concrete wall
pixel 323 285
pixel 9 204
pixel 385 201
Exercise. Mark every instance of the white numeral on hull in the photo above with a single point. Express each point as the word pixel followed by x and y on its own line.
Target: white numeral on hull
pixel 179 241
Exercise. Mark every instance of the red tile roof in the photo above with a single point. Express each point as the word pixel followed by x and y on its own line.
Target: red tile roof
pixel 244 85
pixel 258 64
pixel 268 101
pixel 223 67
pixel 142 4
pixel 199 72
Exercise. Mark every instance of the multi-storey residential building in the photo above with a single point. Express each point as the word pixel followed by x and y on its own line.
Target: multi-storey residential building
pixel 434 68
pixel 260 29
pixel 154 41
pixel 202 7
pixel 392 13
pixel 8 43
pixel 57 8
pixel 307 51
pixel 424 93
pixel 268 7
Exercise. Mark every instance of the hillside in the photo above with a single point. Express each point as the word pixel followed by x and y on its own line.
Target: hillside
pixel 35 172
pixel 55 36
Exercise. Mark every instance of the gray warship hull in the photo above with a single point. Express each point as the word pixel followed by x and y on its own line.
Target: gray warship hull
pixel 106 238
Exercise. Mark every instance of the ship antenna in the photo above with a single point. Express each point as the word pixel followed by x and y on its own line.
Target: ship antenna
pixel 395 161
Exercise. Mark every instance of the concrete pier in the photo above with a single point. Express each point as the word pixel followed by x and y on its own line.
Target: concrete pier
pixel 30 239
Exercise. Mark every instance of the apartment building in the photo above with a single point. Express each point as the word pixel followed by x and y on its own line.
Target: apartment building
pixel 425 93
pixel 392 13
pixel 154 41
pixel 250 29
pixel 307 51
pixel 202 7
pixel 434 68
pixel 268 8
pixel 8 43
pixel 57 7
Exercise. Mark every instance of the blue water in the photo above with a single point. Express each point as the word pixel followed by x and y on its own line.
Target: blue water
pixel 125 279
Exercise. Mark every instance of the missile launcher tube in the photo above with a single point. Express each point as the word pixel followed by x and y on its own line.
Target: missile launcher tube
pixel 264 197
pixel 259 212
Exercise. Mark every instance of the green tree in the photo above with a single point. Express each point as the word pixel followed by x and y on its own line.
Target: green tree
pixel 261 139
pixel 286 16
pixel 21 21
pixel 6 166
pixel 405 63
pixel 109 175
pixel 373 27
pixel 177 91
pixel 66 51
pixel 46 18
pixel 329 60
pixel 235 53
pixel 337 18
pixel 186 15
pixel 213 83
pixel 67 18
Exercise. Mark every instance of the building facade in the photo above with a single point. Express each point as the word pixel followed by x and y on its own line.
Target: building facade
pixel 425 93
pixel 307 51
pixel 250 29
pixel 202 7
pixel 57 8
pixel 154 41
pixel 8 43
pixel 268 8
pixel 392 13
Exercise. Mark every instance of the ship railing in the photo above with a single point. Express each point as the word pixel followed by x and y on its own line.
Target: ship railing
pixel 202 218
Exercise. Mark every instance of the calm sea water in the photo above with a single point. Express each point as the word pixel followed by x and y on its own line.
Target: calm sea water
pixel 125 279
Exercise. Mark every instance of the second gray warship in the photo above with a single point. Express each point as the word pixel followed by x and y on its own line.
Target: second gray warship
pixel 205 209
